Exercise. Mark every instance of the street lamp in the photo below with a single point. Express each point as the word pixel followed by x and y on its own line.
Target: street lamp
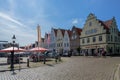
pixel 12 54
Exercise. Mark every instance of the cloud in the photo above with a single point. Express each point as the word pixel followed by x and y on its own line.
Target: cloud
pixel 75 21
pixel 3 15
pixel 22 18
pixel 10 26
pixel 78 22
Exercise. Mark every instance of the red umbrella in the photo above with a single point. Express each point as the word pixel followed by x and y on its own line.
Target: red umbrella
pixel 38 49
pixel 16 49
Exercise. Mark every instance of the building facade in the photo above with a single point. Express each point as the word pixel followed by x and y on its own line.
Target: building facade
pixel 47 40
pixel 3 44
pixel 75 40
pixel 66 41
pixel 53 36
pixel 60 40
pixel 98 36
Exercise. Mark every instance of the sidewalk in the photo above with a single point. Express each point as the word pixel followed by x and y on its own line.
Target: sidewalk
pixel 49 62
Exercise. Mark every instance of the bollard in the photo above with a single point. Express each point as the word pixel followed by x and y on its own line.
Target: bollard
pixel 27 62
pixel 44 59
pixel 59 58
pixel 56 59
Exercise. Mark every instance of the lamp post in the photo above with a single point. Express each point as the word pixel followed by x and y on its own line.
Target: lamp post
pixel 12 54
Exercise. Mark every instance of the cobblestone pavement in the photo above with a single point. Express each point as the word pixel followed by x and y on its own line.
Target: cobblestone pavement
pixel 74 68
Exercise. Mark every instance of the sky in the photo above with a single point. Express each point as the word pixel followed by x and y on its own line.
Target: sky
pixel 21 17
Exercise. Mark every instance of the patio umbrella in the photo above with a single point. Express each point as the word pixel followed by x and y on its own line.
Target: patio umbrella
pixel 16 49
pixel 38 49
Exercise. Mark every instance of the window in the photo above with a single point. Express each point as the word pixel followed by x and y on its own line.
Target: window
pixel 67 44
pixel 92 31
pixel 72 37
pixel 64 44
pixel 75 36
pixel 83 41
pixel 108 38
pixel 88 40
pixel 115 38
pixel 94 39
pixel 73 31
pixel 100 38
pixel 61 45
pixel 111 38
pixel 90 23
pixel 114 29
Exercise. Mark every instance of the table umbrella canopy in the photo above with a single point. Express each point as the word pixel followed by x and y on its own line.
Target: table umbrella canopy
pixel 38 49
pixel 16 49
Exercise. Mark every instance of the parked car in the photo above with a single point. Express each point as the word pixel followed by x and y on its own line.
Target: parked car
pixel 17 59
pixel 66 54
pixel 36 57
pixel 49 54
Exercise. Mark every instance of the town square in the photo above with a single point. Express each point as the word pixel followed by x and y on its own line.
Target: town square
pixel 59 40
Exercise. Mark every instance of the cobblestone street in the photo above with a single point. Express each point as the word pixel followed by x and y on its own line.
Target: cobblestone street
pixel 74 68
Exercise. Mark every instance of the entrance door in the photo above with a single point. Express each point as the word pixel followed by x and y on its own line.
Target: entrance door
pixel 93 52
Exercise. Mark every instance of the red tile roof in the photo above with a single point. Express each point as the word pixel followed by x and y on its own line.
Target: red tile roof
pixel 106 24
pixel 63 31
pixel 55 30
pixel 79 30
pixel 69 33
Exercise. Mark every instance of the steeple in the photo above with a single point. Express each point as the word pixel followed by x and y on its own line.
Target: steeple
pixel 39 35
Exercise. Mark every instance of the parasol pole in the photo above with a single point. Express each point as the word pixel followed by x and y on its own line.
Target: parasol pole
pixel 19 57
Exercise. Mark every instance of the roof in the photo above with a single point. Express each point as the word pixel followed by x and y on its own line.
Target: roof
pixel 55 30
pixel 106 24
pixel 63 31
pixel 119 34
pixel 69 33
pixel 79 30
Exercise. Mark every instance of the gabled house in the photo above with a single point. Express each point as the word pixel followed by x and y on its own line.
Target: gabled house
pixel 75 40
pixel 98 35
pixel 60 40
pixel 47 41
pixel 53 36
pixel 66 41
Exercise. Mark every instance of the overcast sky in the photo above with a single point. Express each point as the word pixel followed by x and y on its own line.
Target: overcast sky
pixel 21 17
